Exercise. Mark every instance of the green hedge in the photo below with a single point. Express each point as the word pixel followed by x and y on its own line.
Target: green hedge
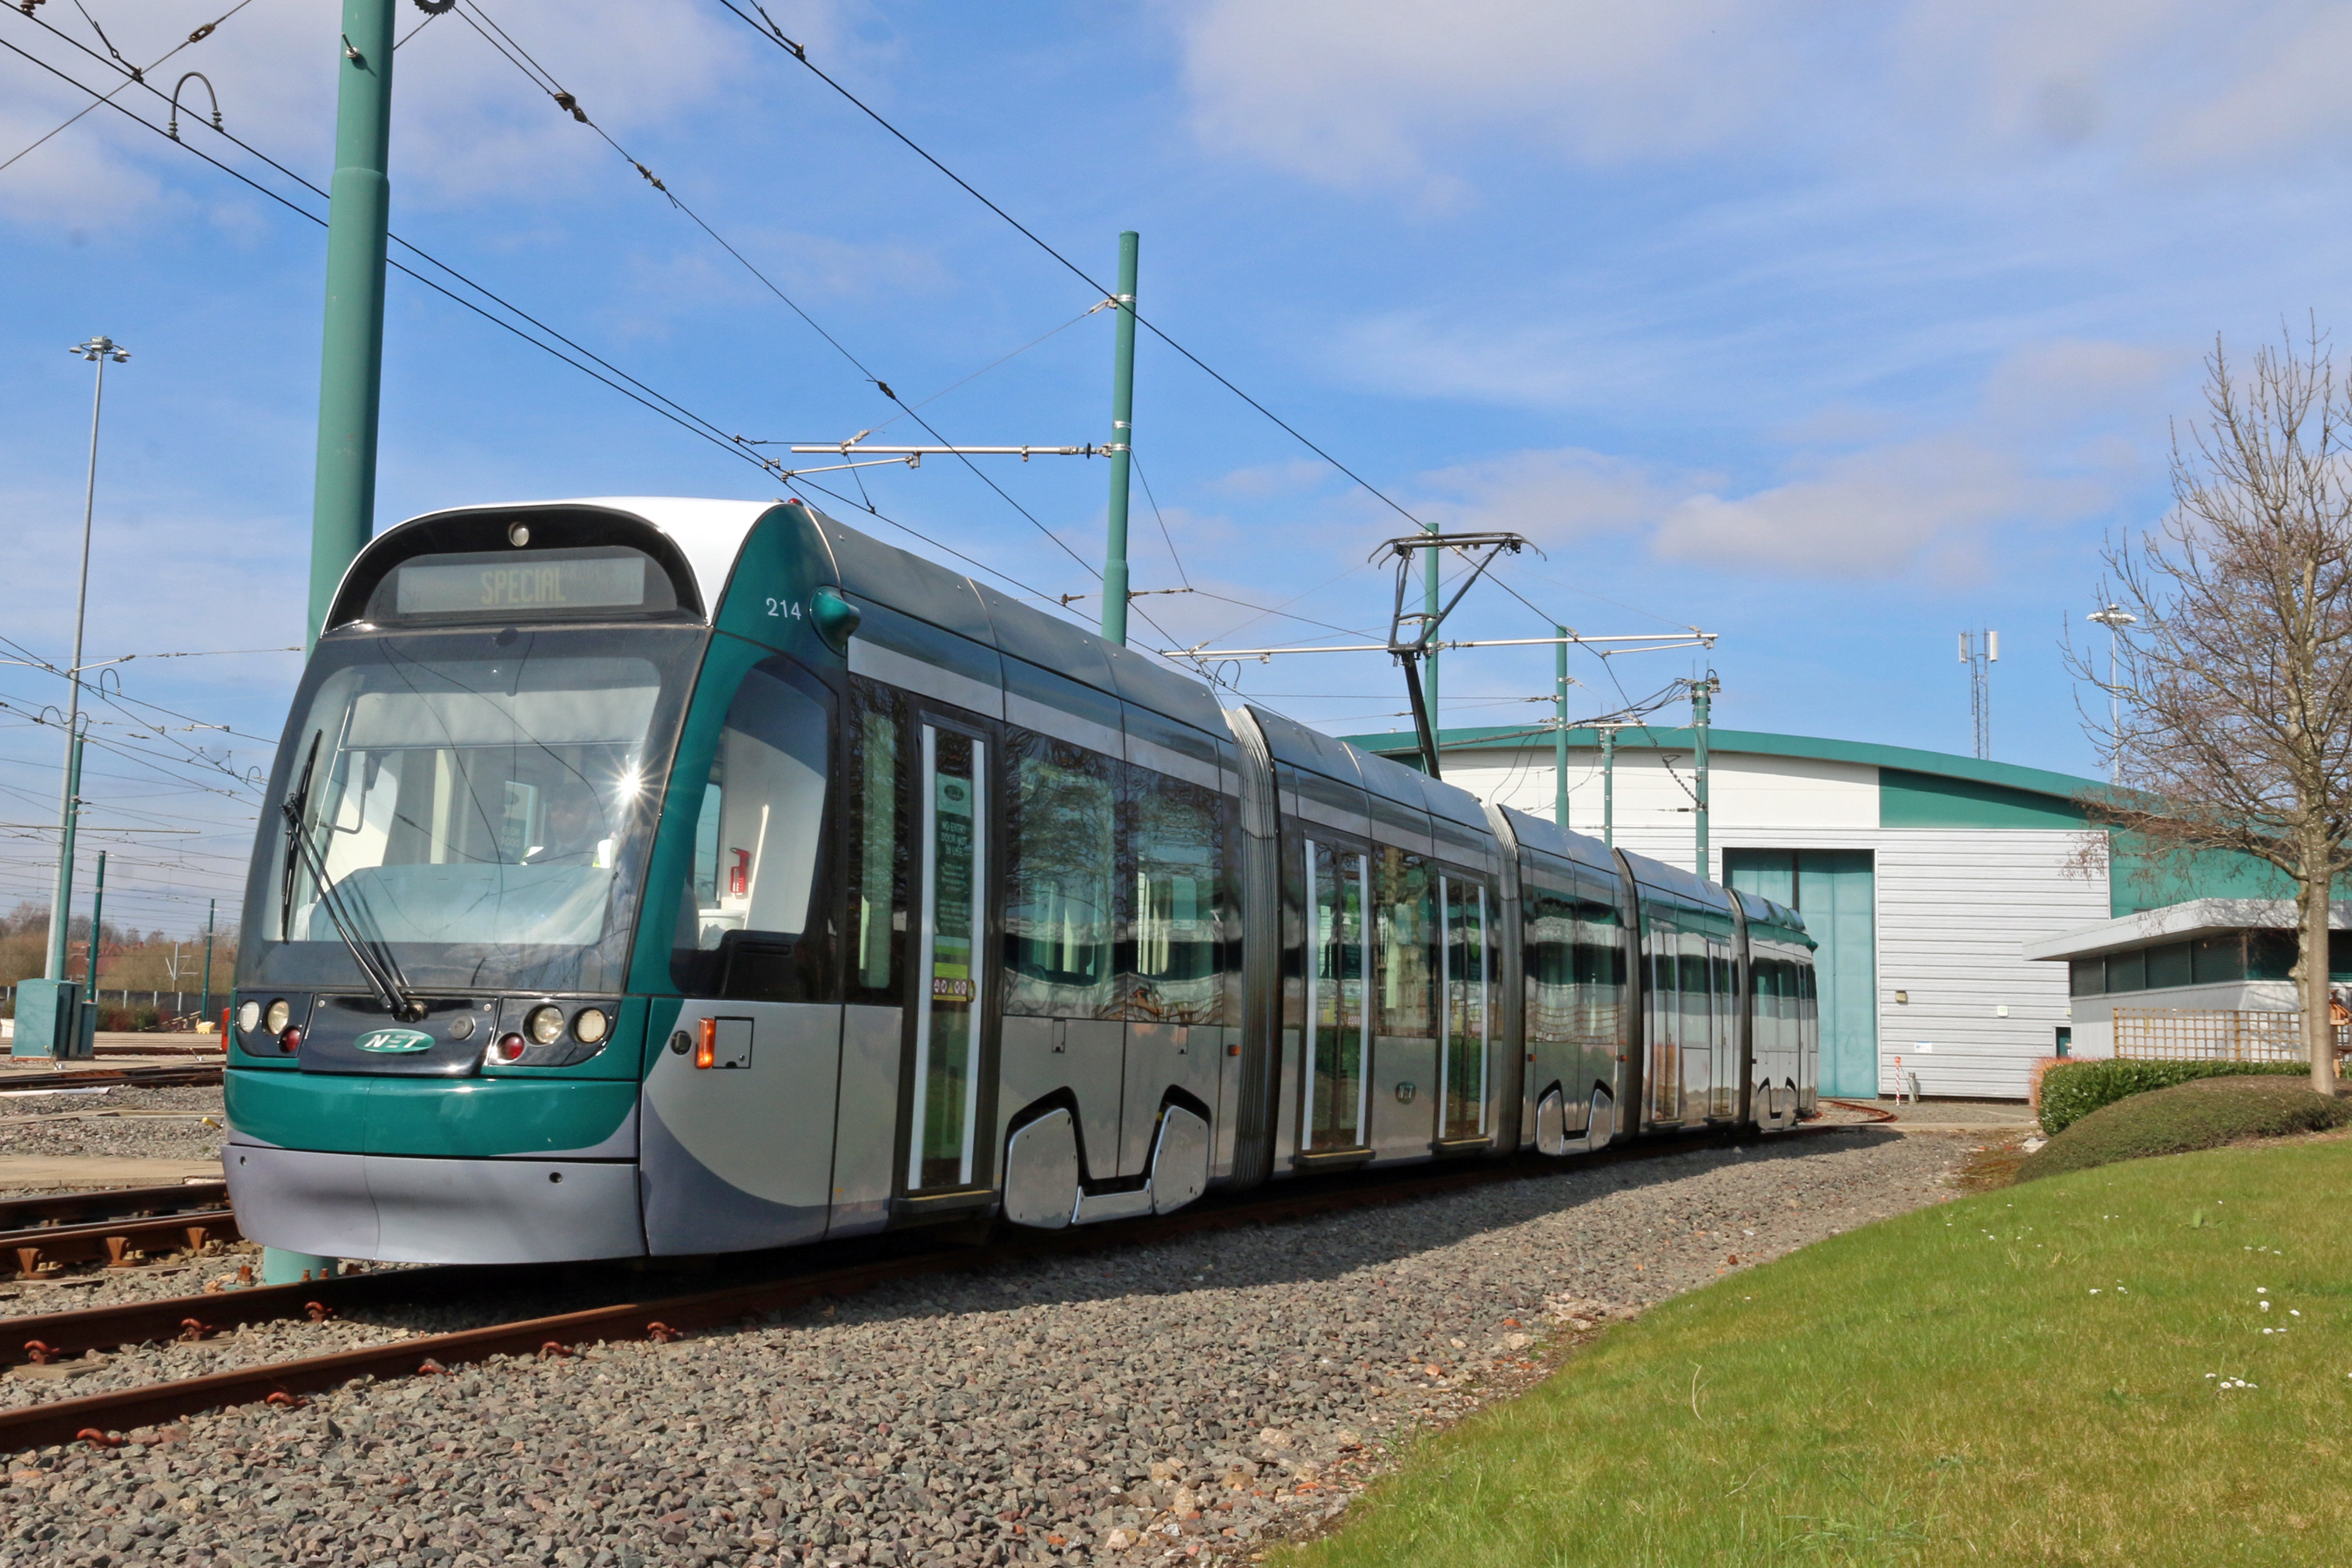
pixel 2072 1091
pixel 2186 1117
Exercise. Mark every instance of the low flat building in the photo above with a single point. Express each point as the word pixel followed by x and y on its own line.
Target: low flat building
pixel 1921 874
pixel 2184 976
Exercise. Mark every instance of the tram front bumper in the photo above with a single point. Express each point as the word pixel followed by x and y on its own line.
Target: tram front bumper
pixel 400 1209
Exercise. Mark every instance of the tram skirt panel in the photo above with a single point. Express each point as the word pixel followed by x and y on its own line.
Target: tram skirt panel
pixel 738 1157
pixel 395 1209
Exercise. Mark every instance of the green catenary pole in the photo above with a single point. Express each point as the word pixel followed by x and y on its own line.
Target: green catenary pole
pixel 1559 738
pixel 1429 605
pixel 1122 438
pixel 350 374
pixel 212 911
pixel 1702 692
pixel 1608 787
pixel 62 920
pixel 97 913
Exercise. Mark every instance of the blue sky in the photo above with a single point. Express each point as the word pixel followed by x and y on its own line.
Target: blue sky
pixel 1831 327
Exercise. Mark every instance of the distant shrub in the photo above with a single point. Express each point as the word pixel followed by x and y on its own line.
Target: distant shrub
pixel 2202 1114
pixel 2070 1090
pixel 2034 1077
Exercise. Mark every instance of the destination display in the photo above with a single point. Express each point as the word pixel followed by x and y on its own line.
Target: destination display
pixel 490 583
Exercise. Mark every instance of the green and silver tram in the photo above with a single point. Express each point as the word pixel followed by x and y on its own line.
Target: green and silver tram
pixel 659 877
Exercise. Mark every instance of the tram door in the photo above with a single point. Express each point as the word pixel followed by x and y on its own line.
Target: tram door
pixel 943 1121
pixel 1337 1081
pixel 1463 1031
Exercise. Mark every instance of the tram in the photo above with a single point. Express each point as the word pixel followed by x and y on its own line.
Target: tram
pixel 674 877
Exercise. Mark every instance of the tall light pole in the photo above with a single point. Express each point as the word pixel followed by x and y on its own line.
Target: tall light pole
pixel 98 351
pixel 2115 617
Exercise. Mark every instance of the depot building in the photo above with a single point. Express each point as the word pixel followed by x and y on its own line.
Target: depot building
pixel 1924 876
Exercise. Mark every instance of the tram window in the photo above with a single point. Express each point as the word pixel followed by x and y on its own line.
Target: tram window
pixel 750 903
pixel 1060 881
pixel 1406 932
pixel 877 838
pixel 465 801
pixel 1336 1002
pixel 1465 1040
pixel 1600 969
pixel 1553 957
pixel 1172 968
pixel 1663 1017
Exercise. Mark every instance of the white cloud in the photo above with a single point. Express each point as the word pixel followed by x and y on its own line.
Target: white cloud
pixel 467 126
pixel 1552 497
pixel 1852 501
pixel 1873 513
pixel 2073 381
pixel 1350 90
pixel 1262 480
pixel 808 268
pixel 1395 91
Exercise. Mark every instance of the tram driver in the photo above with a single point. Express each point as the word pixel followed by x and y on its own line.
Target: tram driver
pixel 573 829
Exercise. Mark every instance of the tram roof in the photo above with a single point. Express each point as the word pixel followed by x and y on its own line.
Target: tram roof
pixel 710 534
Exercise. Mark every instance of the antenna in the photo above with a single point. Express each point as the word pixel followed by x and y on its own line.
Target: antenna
pixel 1980 651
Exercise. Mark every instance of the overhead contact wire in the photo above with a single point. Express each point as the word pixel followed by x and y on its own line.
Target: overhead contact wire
pixel 776 35
pixel 685 418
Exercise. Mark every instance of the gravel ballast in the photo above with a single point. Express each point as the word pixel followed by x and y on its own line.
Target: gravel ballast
pixel 1174 1401
pixel 133 1121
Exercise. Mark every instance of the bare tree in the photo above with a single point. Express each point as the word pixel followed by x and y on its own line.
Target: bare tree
pixel 2235 732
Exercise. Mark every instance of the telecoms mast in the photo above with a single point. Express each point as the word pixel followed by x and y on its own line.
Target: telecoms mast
pixel 1980 651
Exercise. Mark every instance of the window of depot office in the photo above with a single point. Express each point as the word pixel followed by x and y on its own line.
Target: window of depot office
pixel 2203 961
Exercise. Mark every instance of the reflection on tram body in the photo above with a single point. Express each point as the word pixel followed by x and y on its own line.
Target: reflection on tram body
pixel 671 877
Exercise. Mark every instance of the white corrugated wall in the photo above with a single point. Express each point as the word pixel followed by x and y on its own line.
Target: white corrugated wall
pixel 1955 905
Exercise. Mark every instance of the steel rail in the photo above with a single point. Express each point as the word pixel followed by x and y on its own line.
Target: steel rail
pixel 86 1078
pixel 117 1241
pixel 120 1203
pixel 102 1417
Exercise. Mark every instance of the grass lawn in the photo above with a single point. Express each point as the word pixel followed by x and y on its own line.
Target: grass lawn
pixel 2042 1375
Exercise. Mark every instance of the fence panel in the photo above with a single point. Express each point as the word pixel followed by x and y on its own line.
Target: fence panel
pixel 2182 1034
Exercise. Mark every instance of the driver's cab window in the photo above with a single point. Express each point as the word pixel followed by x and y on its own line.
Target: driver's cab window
pixel 751 918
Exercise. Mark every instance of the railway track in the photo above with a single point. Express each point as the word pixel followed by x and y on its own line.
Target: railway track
pixel 158 1077
pixel 119 1243
pixel 103 1417
pixel 121 1203
pixel 118 1228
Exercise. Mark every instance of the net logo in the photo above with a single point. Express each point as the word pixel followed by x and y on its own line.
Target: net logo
pixel 394 1041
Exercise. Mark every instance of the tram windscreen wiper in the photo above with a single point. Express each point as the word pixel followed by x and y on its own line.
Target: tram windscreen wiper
pixel 374 958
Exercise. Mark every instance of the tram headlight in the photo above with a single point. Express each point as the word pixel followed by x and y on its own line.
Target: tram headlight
pixel 249 1017
pixel 544 1025
pixel 504 1051
pixel 277 1016
pixel 590 1026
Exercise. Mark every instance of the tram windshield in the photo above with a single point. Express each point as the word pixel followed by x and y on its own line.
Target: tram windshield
pixel 481 804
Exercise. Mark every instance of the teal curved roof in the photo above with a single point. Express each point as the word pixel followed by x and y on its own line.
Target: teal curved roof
pixel 1660 737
